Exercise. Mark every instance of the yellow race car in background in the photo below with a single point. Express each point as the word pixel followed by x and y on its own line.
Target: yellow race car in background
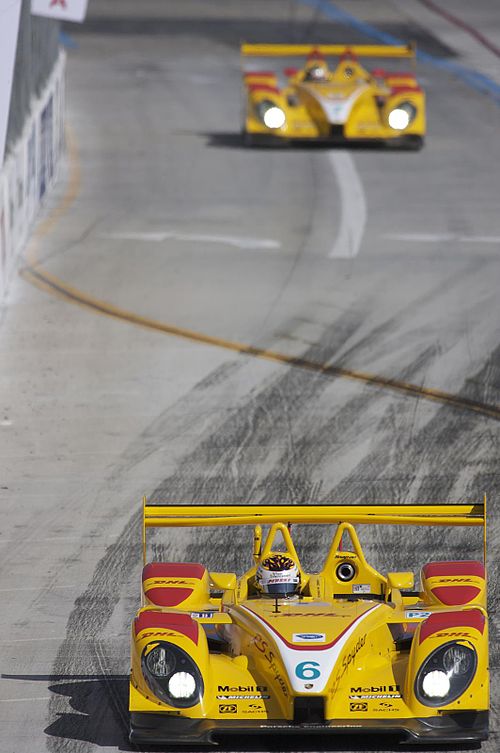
pixel 281 650
pixel 342 103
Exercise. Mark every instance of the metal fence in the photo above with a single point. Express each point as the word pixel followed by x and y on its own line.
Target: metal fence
pixel 37 52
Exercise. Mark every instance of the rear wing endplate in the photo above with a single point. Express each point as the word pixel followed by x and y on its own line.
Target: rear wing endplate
pixel 186 516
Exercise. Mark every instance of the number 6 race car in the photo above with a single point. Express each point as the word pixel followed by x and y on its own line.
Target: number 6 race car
pixel 281 650
pixel 341 104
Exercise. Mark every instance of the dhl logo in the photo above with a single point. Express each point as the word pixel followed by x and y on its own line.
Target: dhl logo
pixel 169 582
pixel 457 634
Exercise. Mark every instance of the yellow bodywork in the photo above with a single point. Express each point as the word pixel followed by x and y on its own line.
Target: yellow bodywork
pixel 356 645
pixel 351 104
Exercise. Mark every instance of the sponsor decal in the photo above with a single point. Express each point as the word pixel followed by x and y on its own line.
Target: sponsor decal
pixel 358 707
pixel 202 615
pixel 306 637
pixel 310 604
pixel 456 580
pixel 172 582
pixel 161 632
pixel 242 697
pixel 374 696
pixel 351 655
pixel 310 614
pixel 347 660
pixel 227 708
pixel 377 689
pixel 242 689
pixel 361 588
pixel 459 634
pixel 415 614
pixel 263 646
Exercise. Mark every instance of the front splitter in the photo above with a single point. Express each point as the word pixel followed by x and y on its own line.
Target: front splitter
pixel 155 728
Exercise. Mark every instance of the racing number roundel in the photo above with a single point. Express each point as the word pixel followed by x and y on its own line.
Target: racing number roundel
pixel 307 670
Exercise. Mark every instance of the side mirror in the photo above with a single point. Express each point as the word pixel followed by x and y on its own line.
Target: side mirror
pixel 401 581
pixel 223 581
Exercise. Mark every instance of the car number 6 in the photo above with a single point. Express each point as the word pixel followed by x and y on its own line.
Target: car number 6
pixel 306 670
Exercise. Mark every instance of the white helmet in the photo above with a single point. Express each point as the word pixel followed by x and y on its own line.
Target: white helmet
pixel 316 72
pixel 278 575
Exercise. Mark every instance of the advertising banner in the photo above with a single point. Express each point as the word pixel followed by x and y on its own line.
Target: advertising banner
pixel 9 27
pixel 30 171
pixel 64 10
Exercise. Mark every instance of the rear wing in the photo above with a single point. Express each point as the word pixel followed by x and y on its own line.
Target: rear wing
pixel 186 516
pixel 334 50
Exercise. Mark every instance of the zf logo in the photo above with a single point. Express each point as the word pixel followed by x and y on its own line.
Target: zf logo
pixel 227 708
pixel 358 707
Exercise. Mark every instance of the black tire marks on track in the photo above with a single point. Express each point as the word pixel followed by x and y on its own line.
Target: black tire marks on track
pixel 270 448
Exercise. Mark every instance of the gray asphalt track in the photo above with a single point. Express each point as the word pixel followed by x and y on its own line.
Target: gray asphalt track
pixel 174 220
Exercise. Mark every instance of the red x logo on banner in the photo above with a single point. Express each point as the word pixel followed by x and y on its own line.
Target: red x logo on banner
pixel 62 3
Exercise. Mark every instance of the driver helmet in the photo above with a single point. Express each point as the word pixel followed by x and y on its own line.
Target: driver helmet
pixel 317 71
pixel 278 575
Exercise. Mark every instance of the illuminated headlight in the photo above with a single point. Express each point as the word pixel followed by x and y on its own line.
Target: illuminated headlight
pixel 445 674
pixel 436 684
pixel 271 115
pixel 402 115
pixel 274 117
pixel 182 685
pixel 171 674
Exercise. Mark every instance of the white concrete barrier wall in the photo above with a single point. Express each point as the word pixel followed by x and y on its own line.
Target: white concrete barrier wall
pixel 30 171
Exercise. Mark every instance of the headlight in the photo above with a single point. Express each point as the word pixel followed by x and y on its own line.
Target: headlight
pixel 160 661
pixel 271 115
pixel 402 115
pixel 445 674
pixel 171 674
pixel 182 685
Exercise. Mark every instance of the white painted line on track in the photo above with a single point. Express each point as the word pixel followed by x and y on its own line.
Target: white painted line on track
pixel 33 540
pixel 267 244
pixel 441 237
pixel 34 588
pixel 26 700
pixel 33 640
pixel 352 206
pixel 55 638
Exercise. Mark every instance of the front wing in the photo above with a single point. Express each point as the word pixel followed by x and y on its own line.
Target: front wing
pixel 159 729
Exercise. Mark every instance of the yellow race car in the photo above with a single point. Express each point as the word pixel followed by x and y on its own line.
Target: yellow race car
pixel 340 104
pixel 281 650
